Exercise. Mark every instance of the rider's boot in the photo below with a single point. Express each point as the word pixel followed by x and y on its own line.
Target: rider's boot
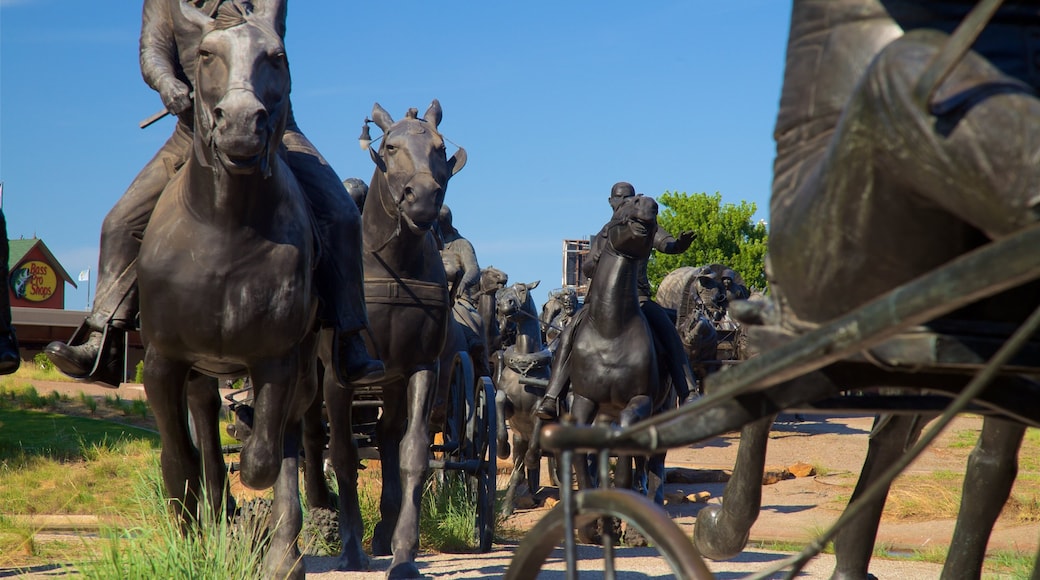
pixel 96 357
pixel 352 361
pixel 548 408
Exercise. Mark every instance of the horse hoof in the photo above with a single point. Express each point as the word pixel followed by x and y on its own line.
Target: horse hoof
pixel 354 563
pixel 381 546
pixel 403 570
pixel 713 540
pixel 504 450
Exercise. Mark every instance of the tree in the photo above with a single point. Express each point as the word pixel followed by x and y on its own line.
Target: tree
pixel 725 235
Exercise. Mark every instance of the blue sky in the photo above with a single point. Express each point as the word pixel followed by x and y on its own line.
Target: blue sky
pixel 553 101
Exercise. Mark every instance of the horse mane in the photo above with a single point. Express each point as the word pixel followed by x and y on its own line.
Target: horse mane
pixel 231 14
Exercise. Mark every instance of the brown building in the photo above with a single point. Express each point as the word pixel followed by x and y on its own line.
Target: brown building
pixel 36 287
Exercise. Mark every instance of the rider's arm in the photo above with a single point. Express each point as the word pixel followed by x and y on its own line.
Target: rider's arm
pixel 665 243
pixel 159 58
pixel 468 257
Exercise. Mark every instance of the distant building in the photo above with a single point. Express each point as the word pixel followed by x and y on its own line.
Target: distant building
pixel 35 278
pixel 574 254
pixel 36 287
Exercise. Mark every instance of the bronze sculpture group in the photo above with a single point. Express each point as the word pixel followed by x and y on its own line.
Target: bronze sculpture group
pixel 866 82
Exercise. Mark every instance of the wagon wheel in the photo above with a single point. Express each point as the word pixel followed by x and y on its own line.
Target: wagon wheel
pixel 626 505
pixel 469 443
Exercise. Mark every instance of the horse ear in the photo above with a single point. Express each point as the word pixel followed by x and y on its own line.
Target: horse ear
pixel 274 11
pixel 381 118
pixel 434 114
pixel 194 15
pixel 377 158
pixel 457 161
pixel 534 284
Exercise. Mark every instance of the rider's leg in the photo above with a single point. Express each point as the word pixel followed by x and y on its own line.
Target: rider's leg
pixel 9 359
pixel 674 353
pixel 115 304
pixel 559 379
pixel 339 277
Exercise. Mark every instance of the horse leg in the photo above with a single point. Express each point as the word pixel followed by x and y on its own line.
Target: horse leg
pixel 389 432
pixel 638 408
pixel 415 463
pixel 343 453
pixel 164 384
pixel 516 477
pixel 315 438
pixel 722 531
pixel 283 559
pixel 502 408
pixel 891 436
pixel 991 471
pixel 204 404
pixel 274 390
pixel 533 460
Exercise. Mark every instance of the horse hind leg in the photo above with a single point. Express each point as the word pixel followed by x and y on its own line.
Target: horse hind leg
pixel 343 453
pixel 891 436
pixel 991 471
pixel 503 408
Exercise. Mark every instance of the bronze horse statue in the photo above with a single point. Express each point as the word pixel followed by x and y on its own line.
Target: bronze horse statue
pixel 523 371
pixel 225 275
pixel 615 371
pixel 893 160
pixel 409 312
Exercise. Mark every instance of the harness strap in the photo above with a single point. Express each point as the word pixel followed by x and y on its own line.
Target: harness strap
pixel 406 292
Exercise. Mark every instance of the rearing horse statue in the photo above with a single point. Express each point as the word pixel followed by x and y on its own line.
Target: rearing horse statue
pixel 409 312
pixel 225 277
pixel 615 371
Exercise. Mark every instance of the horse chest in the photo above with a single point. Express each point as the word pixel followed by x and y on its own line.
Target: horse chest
pixel 209 289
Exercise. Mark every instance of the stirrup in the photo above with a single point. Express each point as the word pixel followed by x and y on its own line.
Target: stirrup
pixel 110 364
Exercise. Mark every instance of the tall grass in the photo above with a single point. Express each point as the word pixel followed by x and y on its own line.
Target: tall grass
pixel 157 548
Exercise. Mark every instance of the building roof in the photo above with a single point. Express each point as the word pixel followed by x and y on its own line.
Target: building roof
pixel 19 249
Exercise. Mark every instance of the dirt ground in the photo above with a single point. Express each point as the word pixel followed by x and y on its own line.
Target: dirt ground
pixel 795 509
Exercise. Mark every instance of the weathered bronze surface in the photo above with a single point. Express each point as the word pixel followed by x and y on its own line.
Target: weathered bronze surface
pixel 225 274
pixel 885 170
pixel 169 44
pixel 406 292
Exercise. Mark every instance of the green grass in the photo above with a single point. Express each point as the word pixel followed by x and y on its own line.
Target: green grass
pixel 157 548
pixel 30 433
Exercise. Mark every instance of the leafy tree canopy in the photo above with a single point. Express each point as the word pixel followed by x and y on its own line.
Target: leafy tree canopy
pixel 725 235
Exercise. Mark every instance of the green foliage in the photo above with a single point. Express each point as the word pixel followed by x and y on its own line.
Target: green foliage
pixel 726 235
pixel 42 362
pixel 139 372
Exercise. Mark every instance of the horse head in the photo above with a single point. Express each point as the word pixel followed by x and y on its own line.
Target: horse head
pixel 413 162
pixel 241 85
pixel 512 300
pixel 632 228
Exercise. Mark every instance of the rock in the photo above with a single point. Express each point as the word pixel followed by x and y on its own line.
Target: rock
pixel 675 498
pixel 773 474
pixel 550 502
pixel 525 502
pixel 802 469
pixel 699 497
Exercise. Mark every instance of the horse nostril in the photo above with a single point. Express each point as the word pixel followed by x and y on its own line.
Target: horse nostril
pixel 261 120
pixel 409 193
pixel 218 115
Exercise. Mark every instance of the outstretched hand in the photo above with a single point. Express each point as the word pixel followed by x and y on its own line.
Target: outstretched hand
pixel 682 243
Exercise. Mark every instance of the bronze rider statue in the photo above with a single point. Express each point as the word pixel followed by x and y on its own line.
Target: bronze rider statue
pixel 660 323
pixel 168 49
